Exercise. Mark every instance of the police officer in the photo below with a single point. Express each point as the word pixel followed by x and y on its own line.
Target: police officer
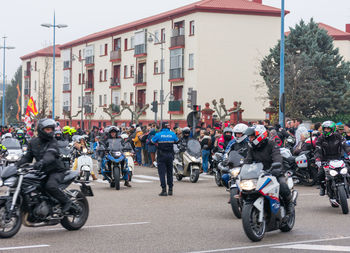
pixel 165 156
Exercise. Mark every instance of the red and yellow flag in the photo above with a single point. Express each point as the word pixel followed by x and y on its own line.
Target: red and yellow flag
pixel 31 108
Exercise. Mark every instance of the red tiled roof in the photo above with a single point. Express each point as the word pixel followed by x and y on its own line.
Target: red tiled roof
pixel 48 51
pixel 337 34
pixel 220 6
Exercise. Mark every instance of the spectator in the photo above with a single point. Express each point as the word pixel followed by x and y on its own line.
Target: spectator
pixel 298 123
pixel 206 147
pixel 151 147
pixel 138 145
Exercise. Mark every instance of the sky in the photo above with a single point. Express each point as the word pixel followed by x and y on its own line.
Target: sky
pixel 20 19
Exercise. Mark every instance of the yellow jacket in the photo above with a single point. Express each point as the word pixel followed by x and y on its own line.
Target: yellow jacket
pixel 137 141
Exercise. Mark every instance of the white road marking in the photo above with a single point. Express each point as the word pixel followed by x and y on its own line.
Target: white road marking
pixel 272 245
pixel 134 180
pixel 25 247
pixel 206 176
pixel 315 247
pixel 147 177
pixel 106 225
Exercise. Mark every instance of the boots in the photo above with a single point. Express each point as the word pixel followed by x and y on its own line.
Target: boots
pixel 67 206
pixel 322 189
pixel 163 193
pixel 127 184
pixel 170 191
pixel 289 205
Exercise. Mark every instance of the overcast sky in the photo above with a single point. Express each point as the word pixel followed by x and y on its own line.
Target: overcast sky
pixel 20 19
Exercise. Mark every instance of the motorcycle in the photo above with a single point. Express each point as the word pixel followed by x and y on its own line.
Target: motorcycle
pixel 190 164
pixel 263 211
pixel 84 164
pixel 337 184
pixel 217 159
pixel 114 166
pixel 129 157
pixel 14 149
pixel 65 153
pixel 26 203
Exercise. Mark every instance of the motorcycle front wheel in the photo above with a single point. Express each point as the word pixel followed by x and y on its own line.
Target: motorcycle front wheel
pixel 116 171
pixel 236 203
pixel 194 176
pixel 254 229
pixel 76 221
pixel 218 178
pixel 9 228
pixel 343 200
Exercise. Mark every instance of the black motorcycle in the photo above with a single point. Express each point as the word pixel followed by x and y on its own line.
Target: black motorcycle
pixel 217 159
pixel 27 203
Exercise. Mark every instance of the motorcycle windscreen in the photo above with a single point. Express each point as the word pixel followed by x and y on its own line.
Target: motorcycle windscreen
pixel 115 144
pixel 235 159
pixel 251 171
pixel 194 148
pixel 62 144
pixel 11 143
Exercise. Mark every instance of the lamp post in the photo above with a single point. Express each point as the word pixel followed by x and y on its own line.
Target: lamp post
pixel 161 95
pixel 82 90
pixel 4 80
pixel 54 56
pixel 282 96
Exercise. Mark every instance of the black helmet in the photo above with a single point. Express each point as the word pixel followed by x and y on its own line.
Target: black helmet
pixel 58 135
pixel 46 123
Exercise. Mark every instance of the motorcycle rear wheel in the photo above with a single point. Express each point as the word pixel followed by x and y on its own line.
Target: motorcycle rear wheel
pixel 86 176
pixel 116 171
pixel 236 204
pixel 16 224
pixel 252 229
pixel 75 222
pixel 343 200
pixel 289 224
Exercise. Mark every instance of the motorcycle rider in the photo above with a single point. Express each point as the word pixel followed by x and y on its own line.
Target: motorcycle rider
pixel 225 138
pixel 263 150
pixel 66 133
pixel 45 151
pixel 21 137
pixel 329 146
pixel 240 141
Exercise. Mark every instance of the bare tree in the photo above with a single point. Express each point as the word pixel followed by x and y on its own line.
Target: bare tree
pixel 221 109
pixel 43 91
pixel 89 116
pixel 68 114
pixel 137 112
pixel 112 112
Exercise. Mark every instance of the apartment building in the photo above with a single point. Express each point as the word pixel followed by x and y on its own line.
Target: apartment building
pixel 37 79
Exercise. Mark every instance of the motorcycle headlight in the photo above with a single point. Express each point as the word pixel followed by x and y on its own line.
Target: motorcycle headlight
pixel 12 157
pixel 234 172
pixel 333 173
pixel 117 154
pixel 10 182
pixel 344 171
pixel 248 185
pixel 1 183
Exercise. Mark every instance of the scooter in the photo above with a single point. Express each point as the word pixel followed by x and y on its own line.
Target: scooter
pixel 191 163
pixel 85 165
pixel 129 157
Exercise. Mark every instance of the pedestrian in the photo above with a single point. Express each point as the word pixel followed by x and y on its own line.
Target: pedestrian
pixel 165 157
pixel 151 147
pixel 138 145
pixel 206 147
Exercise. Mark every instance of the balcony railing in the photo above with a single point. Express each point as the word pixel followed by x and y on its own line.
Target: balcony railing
pixel 140 78
pixel 66 108
pixel 176 106
pixel 176 73
pixel 115 81
pixel 66 64
pixel 116 55
pixel 115 108
pixel 26 72
pixel 89 84
pixel 140 49
pixel 89 60
pixel 66 87
pixel 178 38
pixel 26 91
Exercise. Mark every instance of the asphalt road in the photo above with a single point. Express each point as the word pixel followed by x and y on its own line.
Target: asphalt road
pixel 196 219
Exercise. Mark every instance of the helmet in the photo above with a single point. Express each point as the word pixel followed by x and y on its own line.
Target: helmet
pixel 20 134
pixel 228 132
pixel 66 129
pixel 46 123
pixel 240 129
pixel 328 124
pixel 8 135
pixel 186 131
pixel 72 131
pixel 260 134
pixel 113 129
pixel 124 136
pixel 58 135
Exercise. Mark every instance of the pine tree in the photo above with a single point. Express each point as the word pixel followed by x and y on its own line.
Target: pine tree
pixel 316 76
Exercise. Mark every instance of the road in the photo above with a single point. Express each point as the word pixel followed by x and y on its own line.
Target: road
pixel 196 219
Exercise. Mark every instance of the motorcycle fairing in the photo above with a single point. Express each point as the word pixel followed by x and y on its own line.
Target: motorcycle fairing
pixel 269 189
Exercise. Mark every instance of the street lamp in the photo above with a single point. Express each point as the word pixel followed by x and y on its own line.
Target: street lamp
pixel 282 109
pixel 54 55
pixel 3 84
pixel 161 95
pixel 82 90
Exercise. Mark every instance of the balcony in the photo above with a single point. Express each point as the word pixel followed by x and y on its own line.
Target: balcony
pixel 66 65
pixel 140 50
pixel 115 108
pixel 89 60
pixel 176 107
pixel 176 75
pixel 115 82
pixel 66 109
pixel 116 55
pixel 66 87
pixel 89 109
pixel 178 38
pixel 140 79
pixel 26 73
pixel 89 86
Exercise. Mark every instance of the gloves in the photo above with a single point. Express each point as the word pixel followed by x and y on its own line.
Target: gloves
pixel 38 165
pixel 318 163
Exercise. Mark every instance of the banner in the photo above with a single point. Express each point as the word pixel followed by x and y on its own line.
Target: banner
pixel 31 108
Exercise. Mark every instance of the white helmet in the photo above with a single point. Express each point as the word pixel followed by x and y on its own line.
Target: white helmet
pixel 240 129
pixel 8 135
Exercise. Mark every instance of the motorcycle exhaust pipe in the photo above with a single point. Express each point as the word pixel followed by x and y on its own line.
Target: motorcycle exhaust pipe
pixel 295 197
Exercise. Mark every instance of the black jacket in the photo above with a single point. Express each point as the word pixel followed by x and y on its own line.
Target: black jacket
pixel 46 153
pixel 331 147
pixel 267 153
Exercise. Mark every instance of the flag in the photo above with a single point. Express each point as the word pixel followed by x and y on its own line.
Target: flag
pixel 31 108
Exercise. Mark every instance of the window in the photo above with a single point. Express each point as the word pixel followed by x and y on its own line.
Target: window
pixel 80 78
pixel 100 75
pixel 125 97
pixel 132 71
pixel 35 66
pixel 106 49
pixel 156 35
pixel 125 71
pixel 100 100
pixel 177 93
pixel 132 42
pixel 191 61
pixel 79 55
pixel 162 35
pixel 156 70
pixel 192 27
pixel 131 98
pixel 176 58
pixel 101 50
pixel 35 84
pixel 125 44
pixel 66 77
pixel 116 97
pixel 83 78
pixel 105 99
pixel 105 75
